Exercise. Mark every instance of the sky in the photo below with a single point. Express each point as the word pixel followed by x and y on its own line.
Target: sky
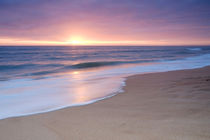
pixel 104 22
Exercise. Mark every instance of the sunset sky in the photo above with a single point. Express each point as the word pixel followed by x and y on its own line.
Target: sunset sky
pixel 104 22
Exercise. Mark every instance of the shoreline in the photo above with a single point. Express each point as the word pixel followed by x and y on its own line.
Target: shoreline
pixel 132 114
pixel 119 91
pixel 55 94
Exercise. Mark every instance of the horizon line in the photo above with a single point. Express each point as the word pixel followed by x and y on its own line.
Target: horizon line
pixel 103 45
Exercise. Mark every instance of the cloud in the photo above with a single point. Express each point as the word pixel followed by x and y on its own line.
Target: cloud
pixel 53 19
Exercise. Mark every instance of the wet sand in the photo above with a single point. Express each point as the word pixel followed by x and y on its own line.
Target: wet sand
pixel 161 106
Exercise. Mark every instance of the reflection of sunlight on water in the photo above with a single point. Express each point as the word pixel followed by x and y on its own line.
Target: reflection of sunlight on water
pixel 75 72
pixel 78 89
pixel 79 94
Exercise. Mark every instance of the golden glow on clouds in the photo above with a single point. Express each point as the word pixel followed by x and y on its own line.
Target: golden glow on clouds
pixel 91 36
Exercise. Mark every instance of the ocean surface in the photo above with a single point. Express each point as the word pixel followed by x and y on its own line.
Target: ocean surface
pixel 40 79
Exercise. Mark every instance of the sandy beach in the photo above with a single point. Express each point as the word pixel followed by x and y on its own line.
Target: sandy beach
pixel 161 106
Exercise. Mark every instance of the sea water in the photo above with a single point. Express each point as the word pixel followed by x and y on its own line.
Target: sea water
pixel 36 79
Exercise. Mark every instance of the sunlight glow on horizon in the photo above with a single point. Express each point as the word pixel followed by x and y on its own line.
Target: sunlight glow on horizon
pixel 80 41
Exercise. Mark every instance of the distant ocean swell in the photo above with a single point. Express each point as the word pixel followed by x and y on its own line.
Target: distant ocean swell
pixel 36 83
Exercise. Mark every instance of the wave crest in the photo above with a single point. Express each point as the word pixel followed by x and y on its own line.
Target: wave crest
pixel 94 64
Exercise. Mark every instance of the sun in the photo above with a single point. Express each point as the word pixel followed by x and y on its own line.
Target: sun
pixel 75 42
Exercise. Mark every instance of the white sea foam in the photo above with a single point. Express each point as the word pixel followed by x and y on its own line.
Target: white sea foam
pixel 25 96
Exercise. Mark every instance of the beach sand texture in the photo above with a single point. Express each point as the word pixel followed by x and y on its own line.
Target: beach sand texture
pixel 161 106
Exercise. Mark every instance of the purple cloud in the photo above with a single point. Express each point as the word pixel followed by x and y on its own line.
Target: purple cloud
pixel 37 19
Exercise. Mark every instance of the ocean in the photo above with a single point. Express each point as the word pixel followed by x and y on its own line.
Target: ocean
pixel 36 79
